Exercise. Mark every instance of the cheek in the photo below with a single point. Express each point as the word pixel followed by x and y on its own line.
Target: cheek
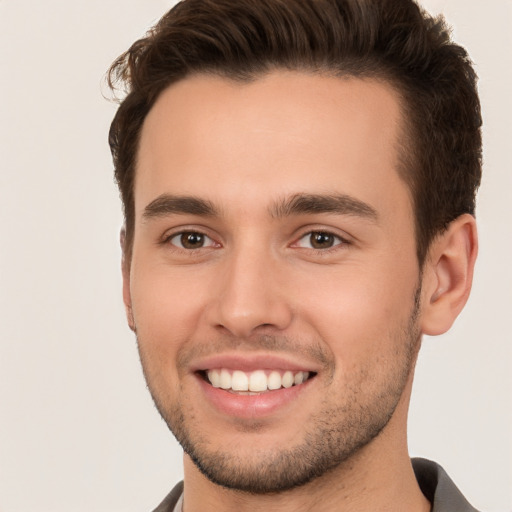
pixel 360 312
pixel 166 309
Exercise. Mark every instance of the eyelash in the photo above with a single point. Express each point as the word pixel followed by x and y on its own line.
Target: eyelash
pixel 168 240
pixel 338 241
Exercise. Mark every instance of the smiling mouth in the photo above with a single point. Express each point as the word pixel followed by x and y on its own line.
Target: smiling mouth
pixel 255 382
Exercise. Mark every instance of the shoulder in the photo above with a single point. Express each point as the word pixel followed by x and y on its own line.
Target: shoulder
pixel 171 499
pixel 438 487
pixel 433 480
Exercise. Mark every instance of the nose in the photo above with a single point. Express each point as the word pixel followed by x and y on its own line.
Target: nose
pixel 251 295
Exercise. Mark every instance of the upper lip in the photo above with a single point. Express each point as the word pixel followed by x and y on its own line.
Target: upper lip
pixel 251 362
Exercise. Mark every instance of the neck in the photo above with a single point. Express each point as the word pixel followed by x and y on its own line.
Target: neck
pixel 379 477
pixel 345 490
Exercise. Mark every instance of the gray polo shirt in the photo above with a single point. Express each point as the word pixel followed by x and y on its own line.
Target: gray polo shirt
pixel 435 484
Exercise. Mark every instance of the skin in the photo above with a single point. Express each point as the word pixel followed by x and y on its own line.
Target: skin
pixel 257 287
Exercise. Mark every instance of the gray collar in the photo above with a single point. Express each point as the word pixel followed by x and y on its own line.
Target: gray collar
pixel 435 484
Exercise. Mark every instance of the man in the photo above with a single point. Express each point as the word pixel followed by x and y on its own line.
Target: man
pixel 298 180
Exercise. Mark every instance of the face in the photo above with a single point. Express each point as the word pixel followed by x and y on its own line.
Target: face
pixel 273 285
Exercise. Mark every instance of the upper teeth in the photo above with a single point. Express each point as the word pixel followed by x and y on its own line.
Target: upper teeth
pixel 256 381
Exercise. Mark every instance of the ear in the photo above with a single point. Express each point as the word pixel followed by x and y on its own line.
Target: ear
pixel 448 275
pixel 125 269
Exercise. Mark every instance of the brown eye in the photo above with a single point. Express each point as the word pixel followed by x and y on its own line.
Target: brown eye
pixel 191 240
pixel 319 240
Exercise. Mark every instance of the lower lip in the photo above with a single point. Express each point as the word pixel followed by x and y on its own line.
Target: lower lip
pixel 252 406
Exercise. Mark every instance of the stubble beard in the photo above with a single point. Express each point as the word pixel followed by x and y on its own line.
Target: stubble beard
pixel 332 438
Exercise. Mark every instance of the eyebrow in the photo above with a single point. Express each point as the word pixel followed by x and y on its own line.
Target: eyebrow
pixel 340 204
pixel 297 204
pixel 182 205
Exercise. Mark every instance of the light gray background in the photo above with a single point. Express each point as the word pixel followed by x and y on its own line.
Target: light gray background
pixel 78 431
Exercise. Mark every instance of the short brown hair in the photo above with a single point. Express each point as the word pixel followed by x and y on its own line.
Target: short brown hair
pixel 392 40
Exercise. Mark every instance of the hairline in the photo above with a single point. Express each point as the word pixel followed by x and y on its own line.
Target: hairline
pixel 405 145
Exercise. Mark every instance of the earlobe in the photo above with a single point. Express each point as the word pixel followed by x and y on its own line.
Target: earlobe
pixel 448 275
pixel 125 269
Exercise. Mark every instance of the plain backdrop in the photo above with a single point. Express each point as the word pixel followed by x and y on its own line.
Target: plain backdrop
pixel 78 430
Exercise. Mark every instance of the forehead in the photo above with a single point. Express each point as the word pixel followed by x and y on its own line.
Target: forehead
pixel 284 133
